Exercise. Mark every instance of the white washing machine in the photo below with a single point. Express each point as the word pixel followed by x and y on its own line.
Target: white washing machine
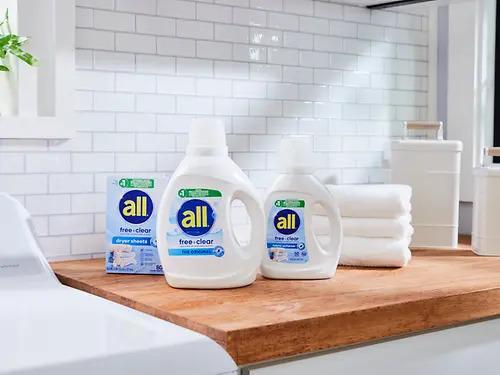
pixel 47 328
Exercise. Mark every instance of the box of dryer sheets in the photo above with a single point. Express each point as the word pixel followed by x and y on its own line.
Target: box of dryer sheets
pixel 131 225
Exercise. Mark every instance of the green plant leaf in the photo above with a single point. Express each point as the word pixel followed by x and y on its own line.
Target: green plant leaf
pixel 24 56
pixel 3 68
pixel 11 43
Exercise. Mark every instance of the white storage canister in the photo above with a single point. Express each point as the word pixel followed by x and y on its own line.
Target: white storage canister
pixel 432 169
pixel 485 219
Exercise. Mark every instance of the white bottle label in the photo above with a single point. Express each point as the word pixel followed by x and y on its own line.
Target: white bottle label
pixel 193 226
pixel 286 242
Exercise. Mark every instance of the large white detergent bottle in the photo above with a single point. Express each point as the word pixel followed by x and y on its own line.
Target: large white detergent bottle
pixel 196 241
pixel 293 250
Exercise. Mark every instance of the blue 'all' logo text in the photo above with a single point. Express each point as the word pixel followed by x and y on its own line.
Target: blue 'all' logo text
pixel 136 206
pixel 286 222
pixel 195 217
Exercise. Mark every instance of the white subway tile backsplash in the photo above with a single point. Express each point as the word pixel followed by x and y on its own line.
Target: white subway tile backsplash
pixel 344 29
pixel 317 93
pixel 216 13
pixel 242 52
pixel 268 37
pixel 136 162
pixel 97 4
pixel 249 89
pixel 232 33
pixel 283 21
pixel 259 107
pixel 69 183
pixel 70 224
pixel 356 79
pixel 155 64
pixel 343 74
pixel 133 6
pixel 84 17
pixel 88 203
pixel 328 77
pixel 357 14
pixel 383 18
pixel 313 25
pixel 249 125
pixel 214 50
pixel 234 107
pixel 94 39
pixel 195 105
pixel 107 20
pixel 116 102
pixel 135 82
pixel 297 108
pixel 213 87
pixel 195 29
pixel 48 162
pixel 194 67
pixel 155 25
pixel 297 74
pixel 98 81
pixel 111 142
pixel 114 61
pixel 249 17
pixel 264 72
pixel 93 162
pixel 298 40
pixel 177 8
pixel 135 43
pixel 327 110
pixel 152 103
pixel 328 10
pixel 176 85
pixel 48 204
pixel 275 5
pixel 283 56
pixel 343 61
pixel 11 163
pixel 282 91
pixel 302 7
pixel 231 69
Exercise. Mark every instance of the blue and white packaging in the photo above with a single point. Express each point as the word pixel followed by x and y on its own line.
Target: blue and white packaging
pixel 131 225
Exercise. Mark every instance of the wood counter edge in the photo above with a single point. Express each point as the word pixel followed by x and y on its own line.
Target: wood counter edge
pixel 252 345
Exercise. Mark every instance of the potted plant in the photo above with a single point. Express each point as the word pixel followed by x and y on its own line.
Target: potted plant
pixel 11 50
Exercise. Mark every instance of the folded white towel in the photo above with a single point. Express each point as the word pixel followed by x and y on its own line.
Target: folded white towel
pixel 374 252
pixel 379 201
pixel 367 227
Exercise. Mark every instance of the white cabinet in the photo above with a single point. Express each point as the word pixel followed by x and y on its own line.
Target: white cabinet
pixel 465 350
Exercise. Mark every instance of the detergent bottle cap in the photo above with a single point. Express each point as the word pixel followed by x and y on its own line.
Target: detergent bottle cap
pixel 296 154
pixel 207 137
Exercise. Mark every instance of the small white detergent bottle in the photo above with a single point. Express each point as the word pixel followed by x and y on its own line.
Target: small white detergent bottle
pixel 196 242
pixel 293 250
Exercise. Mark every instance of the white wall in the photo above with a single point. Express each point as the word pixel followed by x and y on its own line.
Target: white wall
pixel 461 44
pixel 267 67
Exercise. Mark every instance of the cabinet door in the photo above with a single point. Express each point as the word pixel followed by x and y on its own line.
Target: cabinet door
pixel 465 350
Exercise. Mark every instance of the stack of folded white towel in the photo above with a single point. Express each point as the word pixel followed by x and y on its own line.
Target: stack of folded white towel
pixel 376 223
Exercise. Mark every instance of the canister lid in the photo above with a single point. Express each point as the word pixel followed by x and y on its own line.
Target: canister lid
pixel 426 145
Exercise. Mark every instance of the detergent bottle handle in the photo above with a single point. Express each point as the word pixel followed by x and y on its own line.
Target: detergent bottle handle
pixel 325 200
pixel 254 249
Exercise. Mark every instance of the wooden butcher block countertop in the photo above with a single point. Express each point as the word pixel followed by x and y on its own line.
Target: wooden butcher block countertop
pixel 274 319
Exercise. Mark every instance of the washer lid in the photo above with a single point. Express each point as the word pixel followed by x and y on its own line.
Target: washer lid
pixel 60 331
pixel 426 145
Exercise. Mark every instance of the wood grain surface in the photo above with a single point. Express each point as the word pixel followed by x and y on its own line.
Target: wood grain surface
pixel 273 319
